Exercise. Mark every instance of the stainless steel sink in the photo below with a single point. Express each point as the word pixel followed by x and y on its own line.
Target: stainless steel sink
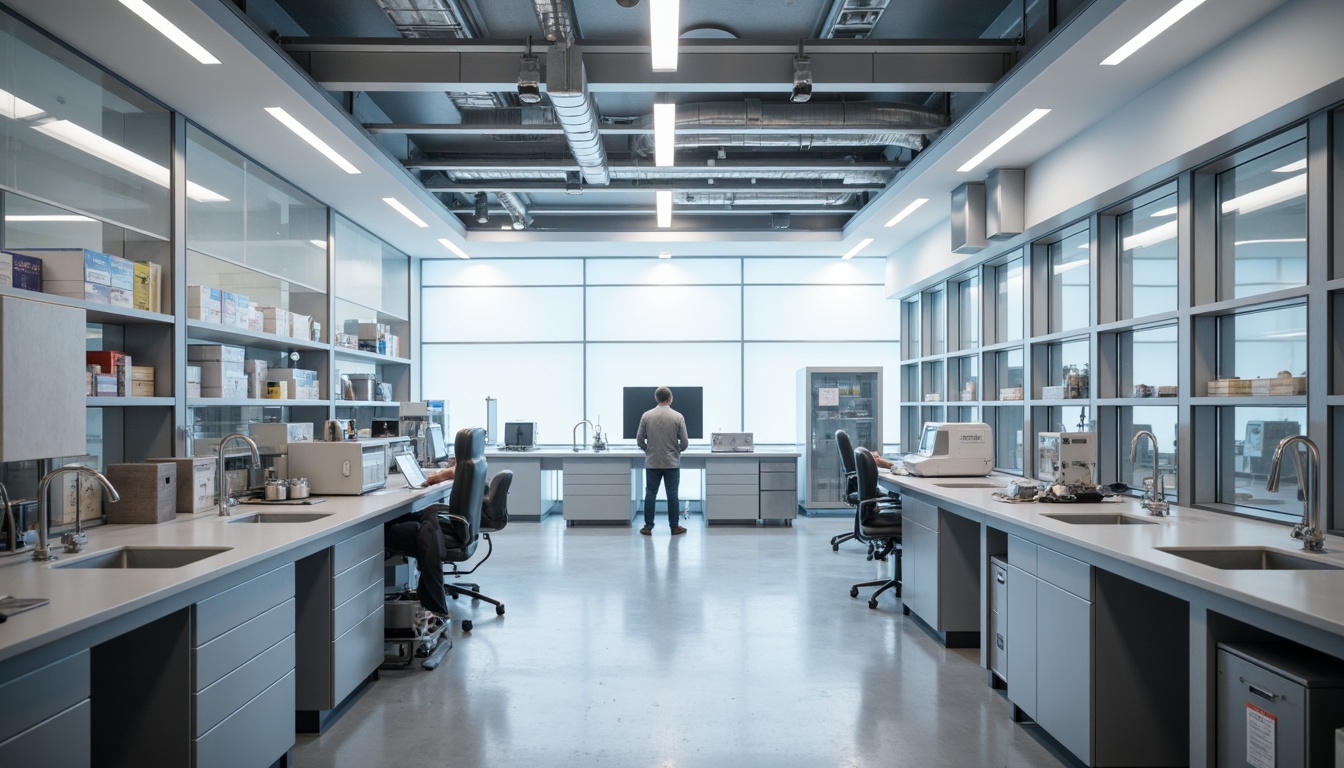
pixel 1251 559
pixel 1097 518
pixel 143 557
pixel 968 485
pixel 278 517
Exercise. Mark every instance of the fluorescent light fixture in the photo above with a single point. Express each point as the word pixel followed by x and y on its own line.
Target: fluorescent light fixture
pixel 1253 242
pixel 319 243
pixel 864 243
pixel 1279 192
pixel 909 209
pixel 664 254
pixel 1300 165
pixel 91 143
pixel 1149 32
pixel 169 30
pixel 302 132
pixel 53 218
pixel 664 29
pixel 1008 135
pixel 446 243
pixel 664 198
pixel 404 211
pixel 664 134
pixel 1164 212
pixel 1159 234
pixel 14 108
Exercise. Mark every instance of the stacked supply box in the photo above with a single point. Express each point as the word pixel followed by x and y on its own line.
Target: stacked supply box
pixel 374 337
pixel 114 364
pixel 195 482
pixel 204 304
pixel 77 273
pixel 147 287
pixel 275 320
pixel 256 377
pixel 223 372
pixel 301 384
pixel 300 326
pixel 193 381
pixel 142 381
pixel 27 271
pixel 121 288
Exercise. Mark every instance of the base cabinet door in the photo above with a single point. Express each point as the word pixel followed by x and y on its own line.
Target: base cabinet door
pixel 1019 621
pixel 1064 668
pixel 919 570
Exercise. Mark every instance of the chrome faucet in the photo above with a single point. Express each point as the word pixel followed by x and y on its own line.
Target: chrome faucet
pixel 1154 497
pixel 74 541
pixel 574 434
pixel 13 539
pixel 1309 530
pixel 223 497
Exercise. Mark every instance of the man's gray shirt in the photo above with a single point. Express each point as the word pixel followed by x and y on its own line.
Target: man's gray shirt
pixel 662 437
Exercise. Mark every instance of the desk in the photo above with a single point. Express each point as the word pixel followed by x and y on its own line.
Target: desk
pixel 607 486
pixel 1110 641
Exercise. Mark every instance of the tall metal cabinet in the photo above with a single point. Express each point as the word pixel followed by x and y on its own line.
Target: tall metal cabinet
pixel 830 399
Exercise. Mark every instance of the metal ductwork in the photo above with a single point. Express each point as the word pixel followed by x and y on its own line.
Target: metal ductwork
pixel 874 124
pixel 557 20
pixel 645 173
pixel 567 85
pixel 524 115
pixel 762 198
pixel 516 208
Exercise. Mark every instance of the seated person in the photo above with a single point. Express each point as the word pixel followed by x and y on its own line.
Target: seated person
pixel 418 535
pixel 441 476
pixel 883 463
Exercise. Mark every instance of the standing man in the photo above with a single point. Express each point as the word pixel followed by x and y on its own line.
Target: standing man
pixel 662 437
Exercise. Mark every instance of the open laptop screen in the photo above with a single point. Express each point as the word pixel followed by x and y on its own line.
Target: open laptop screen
pixel 410 469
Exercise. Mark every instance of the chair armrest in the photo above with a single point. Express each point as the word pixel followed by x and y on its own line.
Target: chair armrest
pixel 455 527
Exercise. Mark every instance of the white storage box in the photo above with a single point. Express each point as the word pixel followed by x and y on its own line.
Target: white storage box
pixel 217 352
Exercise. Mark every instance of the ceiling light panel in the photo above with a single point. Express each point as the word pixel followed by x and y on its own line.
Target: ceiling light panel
pixel 446 243
pixel 664 198
pixel 864 243
pixel 906 211
pixel 1151 31
pixel 664 30
pixel 302 132
pixel 14 108
pixel 1008 135
pixel 170 30
pixel 664 134
pixel 53 218
pixel 401 208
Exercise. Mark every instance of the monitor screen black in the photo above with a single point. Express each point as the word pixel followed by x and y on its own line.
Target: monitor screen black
pixel 688 401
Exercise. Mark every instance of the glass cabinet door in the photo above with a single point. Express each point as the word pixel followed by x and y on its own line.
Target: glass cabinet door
pixel 848 400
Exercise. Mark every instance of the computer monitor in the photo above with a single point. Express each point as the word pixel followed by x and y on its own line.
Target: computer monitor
pixel 688 401
pixel 438 447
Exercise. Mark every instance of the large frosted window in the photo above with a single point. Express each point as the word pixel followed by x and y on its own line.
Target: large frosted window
pixel 664 272
pixel 674 313
pixel 530 382
pixel 512 272
pixel 1262 223
pixel 502 314
pixel 770 383
pixel 819 312
pixel 814 271
pixel 715 367
pixel 1070 298
pixel 1147 264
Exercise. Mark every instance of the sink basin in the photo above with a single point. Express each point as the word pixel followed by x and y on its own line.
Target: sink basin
pixel 1098 518
pixel 968 485
pixel 1251 559
pixel 278 517
pixel 143 557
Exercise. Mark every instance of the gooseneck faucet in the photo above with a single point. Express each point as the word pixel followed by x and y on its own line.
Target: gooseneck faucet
pixel 574 434
pixel 74 541
pixel 1154 497
pixel 1309 530
pixel 225 499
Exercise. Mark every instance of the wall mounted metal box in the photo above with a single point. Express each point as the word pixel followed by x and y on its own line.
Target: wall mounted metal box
pixel 1005 203
pixel 968 218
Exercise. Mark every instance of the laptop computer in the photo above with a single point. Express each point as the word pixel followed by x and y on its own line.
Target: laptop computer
pixel 411 471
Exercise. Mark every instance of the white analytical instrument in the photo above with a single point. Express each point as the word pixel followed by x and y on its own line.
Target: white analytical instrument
pixel 952 449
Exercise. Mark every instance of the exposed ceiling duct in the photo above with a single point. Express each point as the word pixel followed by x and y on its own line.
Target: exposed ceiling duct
pixel 651 173
pixel 516 209
pixel 557 20
pixel 874 124
pixel 853 19
pixel 567 87
pixel 435 19
pixel 766 199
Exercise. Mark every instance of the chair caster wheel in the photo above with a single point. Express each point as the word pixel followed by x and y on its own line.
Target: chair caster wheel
pixel 466 625
pixel 853 591
pixel 835 547
pixel 452 595
pixel 872 604
pixel 499 610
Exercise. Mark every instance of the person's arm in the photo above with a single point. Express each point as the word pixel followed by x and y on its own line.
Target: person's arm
pixel 642 436
pixel 883 463
pixel 442 476
pixel 683 438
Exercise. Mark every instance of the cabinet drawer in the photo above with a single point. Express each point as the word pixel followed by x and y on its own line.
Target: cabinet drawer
pixel 357 579
pixel 356 654
pixel 41 694
pixel 733 507
pixel 597 491
pixel 919 512
pixel 257 734
pixel 353 611
pixel 997 644
pixel 598 508
pixel 778 481
pixel 733 481
pixel 1073 576
pixel 998 587
pixel 779 466
pixel 614 468
pixel 240 686
pixel 234 648
pixel 779 505
pixel 63 740
pixel 221 613
pixel 731 467
pixel 1022 554
pixel 357 549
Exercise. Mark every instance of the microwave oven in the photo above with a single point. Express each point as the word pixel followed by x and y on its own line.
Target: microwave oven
pixel 346 468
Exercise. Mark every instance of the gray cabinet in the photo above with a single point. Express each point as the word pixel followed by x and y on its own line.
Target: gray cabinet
pixel 1278 704
pixel 525 502
pixel 1019 621
pixel 830 399
pixel 996 635
pixel 597 490
pixel 45 715
pixel 42 393
pixel 779 490
pixel 732 491
pixel 339 637
pixel 940 571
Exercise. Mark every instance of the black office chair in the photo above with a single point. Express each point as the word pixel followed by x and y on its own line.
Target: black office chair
pixel 460 518
pixel 848 478
pixel 493 516
pixel 877 522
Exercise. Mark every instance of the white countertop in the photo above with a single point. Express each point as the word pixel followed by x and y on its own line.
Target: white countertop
pixel 84 597
pixel 631 452
pixel 1312 597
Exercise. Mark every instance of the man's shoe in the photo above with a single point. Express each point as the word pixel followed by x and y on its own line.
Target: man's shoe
pixel 676 529
pixel 648 530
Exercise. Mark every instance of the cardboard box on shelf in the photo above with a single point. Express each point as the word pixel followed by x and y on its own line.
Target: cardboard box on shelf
pixel 205 304
pixel 76 492
pixel 121 297
pixel 78 289
pixel 105 385
pixel 71 264
pixel 6 269
pixel 257 365
pixel 1229 387
pixel 193 374
pixel 228 308
pixel 107 360
pixel 300 326
pixel 27 273
pixel 214 373
pixel 254 321
pixel 142 373
pixel 275 320
pixel 302 384
pixel 142 389
pixel 226 353
pixel 277 390
pixel 121 273
pixel 232 388
pixel 195 482
pixel 193 389
pixel 148 493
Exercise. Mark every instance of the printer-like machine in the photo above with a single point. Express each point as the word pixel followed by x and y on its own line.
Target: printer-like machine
pixel 952 449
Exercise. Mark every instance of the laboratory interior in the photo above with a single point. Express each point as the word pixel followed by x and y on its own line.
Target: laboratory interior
pixel 843 382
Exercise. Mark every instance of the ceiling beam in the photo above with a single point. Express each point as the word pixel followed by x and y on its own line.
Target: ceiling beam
pixel 469 129
pixel 728 66
pixel 722 166
pixel 620 186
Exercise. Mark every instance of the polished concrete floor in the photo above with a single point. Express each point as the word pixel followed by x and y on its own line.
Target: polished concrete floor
pixel 735 647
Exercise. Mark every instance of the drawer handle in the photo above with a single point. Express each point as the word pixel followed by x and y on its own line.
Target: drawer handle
pixel 1258 691
pixel 999 577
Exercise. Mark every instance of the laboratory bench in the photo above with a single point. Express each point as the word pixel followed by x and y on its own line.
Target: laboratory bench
pixel 607 486
pixel 1106 631
pixel 224 639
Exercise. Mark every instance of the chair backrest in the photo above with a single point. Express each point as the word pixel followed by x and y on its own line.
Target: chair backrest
pixel 495 509
pixel 846 461
pixel 468 491
pixel 865 469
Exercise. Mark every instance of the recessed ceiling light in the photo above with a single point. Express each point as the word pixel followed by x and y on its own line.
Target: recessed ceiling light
pixel 1165 212
pixel 1008 135
pixel 169 30
pixel 664 198
pixel 91 143
pixel 664 134
pixel 14 108
pixel 302 132
pixel 1151 31
pixel 864 243
pixel 664 254
pixel 404 211
pixel 909 209
pixel 664 30
pixel 53 218
pixel 446 243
